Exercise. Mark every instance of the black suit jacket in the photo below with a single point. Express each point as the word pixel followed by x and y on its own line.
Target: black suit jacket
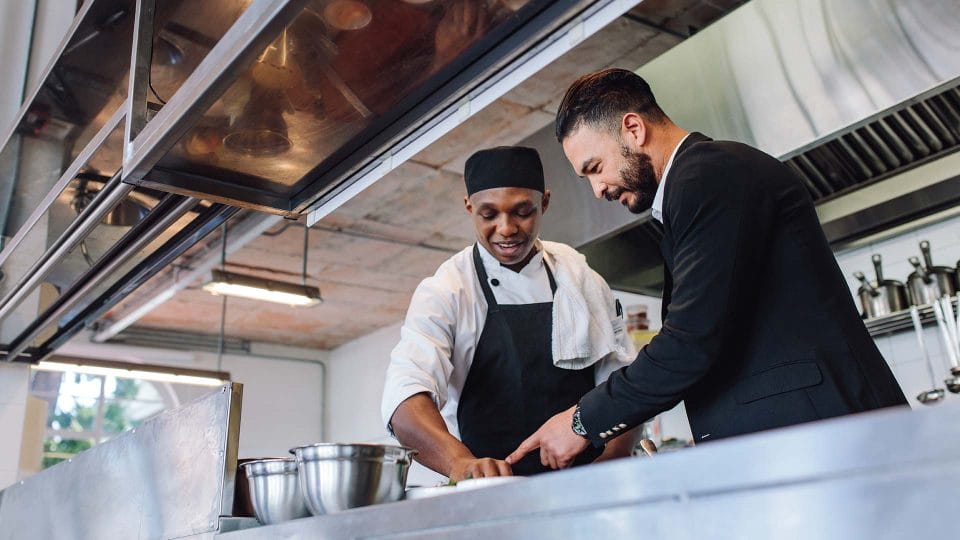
pixel 760 330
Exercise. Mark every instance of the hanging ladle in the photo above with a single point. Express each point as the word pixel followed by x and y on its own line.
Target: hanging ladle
pixel 949 328
pixel 935 394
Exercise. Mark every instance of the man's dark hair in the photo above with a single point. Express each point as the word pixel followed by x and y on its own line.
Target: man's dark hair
pixel 601 98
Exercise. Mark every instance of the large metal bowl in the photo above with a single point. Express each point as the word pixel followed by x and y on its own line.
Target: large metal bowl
pixel 275 490
pixel 337 477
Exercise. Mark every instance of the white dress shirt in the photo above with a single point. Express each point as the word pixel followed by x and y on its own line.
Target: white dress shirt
pixel 657 209
pixel 445 320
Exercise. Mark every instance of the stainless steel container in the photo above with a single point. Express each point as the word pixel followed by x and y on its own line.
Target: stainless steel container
pixel 275 490
pixel 929 282
pixel 336 477
pixel 883 297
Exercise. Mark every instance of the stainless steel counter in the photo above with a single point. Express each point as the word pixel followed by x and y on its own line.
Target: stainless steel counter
pixel 889 474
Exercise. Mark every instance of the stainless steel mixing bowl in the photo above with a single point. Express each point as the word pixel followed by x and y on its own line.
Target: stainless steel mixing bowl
pixel 336 477
pixel 275 490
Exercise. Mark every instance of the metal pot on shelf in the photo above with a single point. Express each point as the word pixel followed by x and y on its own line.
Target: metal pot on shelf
pixel 883 297
pixel 957 275
pixel 928 282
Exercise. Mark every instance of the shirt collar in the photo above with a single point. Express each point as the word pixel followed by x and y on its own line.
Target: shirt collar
pixel 657 209
pixel 494 268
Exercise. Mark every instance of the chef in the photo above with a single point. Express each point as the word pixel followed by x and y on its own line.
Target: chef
pixel 507 333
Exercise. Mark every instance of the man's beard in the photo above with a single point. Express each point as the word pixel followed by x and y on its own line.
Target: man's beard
pixel 639 178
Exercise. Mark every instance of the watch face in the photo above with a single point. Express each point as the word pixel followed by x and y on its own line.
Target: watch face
pixel 577 425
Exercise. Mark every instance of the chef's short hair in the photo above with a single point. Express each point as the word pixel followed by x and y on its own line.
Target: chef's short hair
pixel 600 99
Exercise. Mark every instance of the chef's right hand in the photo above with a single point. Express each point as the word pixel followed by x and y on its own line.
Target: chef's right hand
pixel 479 468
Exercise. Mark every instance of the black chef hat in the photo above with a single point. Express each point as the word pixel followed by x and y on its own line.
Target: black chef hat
pixel 504 166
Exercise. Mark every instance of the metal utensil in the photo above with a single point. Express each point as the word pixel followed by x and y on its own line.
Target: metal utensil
pixel 945 334
pixel 935 394
pixel 884 297
pixel 648 447
pixel 951 321
pixel 335 477
pixel 275 490
pixel 943 310
pixel 953 383
pixel 928 283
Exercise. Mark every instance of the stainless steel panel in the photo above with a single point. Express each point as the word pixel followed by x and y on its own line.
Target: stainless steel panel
pixel 780 74
pixel 847 93
pixel 95 156
pixel 81 89
pixel 170 477
pixel 310 93
pixel 840 478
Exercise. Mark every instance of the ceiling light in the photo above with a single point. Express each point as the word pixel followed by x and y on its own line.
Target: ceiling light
pixel 256 288
pixel 93 368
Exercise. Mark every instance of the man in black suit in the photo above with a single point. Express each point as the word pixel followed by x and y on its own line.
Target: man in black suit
pixel 759 328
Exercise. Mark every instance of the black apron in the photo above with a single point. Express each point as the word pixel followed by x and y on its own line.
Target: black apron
pixel 513 387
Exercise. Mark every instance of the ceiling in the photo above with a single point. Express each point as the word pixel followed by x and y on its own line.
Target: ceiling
pixel 368 256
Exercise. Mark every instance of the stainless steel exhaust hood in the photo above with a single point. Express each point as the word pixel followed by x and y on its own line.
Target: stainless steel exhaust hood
pixel 848 94
pixel 184 111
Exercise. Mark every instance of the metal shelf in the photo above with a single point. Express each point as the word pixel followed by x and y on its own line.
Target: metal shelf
pixel 899 321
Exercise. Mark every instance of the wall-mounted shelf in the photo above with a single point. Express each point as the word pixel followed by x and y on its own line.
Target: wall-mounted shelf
pixel 899 321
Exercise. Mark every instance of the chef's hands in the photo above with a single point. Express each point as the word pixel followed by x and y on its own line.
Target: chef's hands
pixel 557 442
pixel 472 467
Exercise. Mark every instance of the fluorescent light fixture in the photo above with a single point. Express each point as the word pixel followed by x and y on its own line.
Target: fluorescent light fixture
pixel 255 288
pixel 143 374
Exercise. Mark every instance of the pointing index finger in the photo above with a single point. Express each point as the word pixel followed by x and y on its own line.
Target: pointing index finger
pixel 529 445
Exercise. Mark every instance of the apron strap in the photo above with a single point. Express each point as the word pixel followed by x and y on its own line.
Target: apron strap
pixel 485 282
pixel 553 282
pixel 482 276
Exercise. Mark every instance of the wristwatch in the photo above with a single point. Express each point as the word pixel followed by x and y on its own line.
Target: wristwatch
pixel 577 425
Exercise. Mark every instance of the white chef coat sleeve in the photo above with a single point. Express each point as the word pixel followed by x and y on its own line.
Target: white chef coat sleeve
pixel 627 353
pixel 421 361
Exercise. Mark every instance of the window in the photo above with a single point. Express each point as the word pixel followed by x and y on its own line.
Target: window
pixel 84 409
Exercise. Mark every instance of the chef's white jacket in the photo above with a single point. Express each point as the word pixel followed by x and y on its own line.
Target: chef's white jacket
pixel 445 320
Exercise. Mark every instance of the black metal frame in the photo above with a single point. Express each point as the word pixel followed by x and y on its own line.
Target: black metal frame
pixel 196 230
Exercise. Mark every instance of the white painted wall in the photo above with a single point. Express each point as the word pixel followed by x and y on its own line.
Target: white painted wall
pixel 901 350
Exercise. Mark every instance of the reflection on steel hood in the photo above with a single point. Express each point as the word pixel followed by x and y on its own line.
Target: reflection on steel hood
pixel 848 93
pixel 782 74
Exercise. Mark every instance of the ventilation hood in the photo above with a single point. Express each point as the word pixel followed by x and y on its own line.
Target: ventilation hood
pixel 861 99
pixel 157 120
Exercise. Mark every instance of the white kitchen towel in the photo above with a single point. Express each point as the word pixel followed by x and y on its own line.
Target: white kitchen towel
pixel 586 326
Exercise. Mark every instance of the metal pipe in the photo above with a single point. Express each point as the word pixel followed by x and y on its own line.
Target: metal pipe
pixel 68 176
pixel 140 240
pixel 240 234
pixel 7 193
pixel 47 71
pixel 88 220
pixel 141 57
pixel 194 231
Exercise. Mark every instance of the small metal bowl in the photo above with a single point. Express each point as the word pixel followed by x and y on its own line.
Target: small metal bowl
pixel 336 477
pixel 275 490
